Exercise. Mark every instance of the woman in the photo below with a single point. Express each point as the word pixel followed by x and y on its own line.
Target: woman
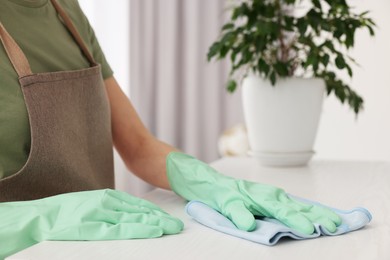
pixel 61 110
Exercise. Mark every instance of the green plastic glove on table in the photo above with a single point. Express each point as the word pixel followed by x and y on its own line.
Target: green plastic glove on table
pixel 87 215
pixel 241 200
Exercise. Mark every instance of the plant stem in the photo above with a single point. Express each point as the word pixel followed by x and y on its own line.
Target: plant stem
pixel 283 47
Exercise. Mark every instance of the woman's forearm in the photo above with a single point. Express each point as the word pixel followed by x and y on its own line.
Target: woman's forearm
pixel 142 153
pixel 149 162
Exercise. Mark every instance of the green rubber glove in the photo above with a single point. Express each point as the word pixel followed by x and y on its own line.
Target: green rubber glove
pixel 87 215
pixel 241 200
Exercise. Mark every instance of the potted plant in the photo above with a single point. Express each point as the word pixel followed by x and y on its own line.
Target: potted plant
pixel 286 55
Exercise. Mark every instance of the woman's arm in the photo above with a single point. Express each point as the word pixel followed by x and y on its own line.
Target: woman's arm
pixel 142 153
pixel 239 200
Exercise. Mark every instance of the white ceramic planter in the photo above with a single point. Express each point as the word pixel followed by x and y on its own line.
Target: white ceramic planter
pixel 282 120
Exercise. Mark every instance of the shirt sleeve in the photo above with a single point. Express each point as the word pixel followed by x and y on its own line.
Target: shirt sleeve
pixel 87 33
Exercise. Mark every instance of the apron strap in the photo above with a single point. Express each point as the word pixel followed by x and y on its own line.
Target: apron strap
pixel 19 60
pixel 74 32
pixel 15 54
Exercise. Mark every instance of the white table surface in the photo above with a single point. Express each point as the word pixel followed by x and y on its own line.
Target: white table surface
pixel 343 185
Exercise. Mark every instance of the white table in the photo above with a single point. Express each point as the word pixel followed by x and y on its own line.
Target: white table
pixel 340 184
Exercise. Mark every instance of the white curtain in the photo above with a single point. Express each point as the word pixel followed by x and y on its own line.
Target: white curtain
pixel 180 97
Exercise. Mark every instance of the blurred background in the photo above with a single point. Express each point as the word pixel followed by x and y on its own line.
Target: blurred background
pixel 157 49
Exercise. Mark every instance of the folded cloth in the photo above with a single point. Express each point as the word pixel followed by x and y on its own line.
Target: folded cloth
pixel 268 230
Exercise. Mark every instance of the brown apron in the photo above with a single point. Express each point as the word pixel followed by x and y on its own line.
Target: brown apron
pixel 71 141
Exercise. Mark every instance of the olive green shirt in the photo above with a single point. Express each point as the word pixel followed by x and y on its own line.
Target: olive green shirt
pixel 49 47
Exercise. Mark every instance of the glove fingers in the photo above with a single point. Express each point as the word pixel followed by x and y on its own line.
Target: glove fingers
pixel 327 224
pixel 317 214
pixel 170 225
pixel 325 217
pixel 290 217
pixel 167 223
pixel 106 231
pixel 327 213
pixel 123 202
pixel 296 204
pixel 126 198
pixel 120 207
pixel 237 212
pixel 118 225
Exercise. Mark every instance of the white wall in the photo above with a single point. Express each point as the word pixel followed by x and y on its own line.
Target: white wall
pixel 111 23
pixel 341 135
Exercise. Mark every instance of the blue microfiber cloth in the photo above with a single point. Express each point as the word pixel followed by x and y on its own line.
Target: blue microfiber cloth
pixel 268 230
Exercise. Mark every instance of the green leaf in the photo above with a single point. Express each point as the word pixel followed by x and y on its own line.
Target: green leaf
pixel 325 59
pixel 317 4
pixel 330 2
pixel 339 92
pixel 241 10
pixel 337 33
pixel 272 77
pixel 281 69
pixel 328 44
pixel 343 3
pixel 326 26
pixel 288 23
pixel 357 104
pixel 261 44
pixel 290 1
pixel 371 30
pixel 224 50
pixel 231 86
pixel 228 26
pixel 349 69
pixel 330 75
pixel 311 59
pixel 270 10
pixel 371 22
pixel 246 55
pixel 214 50
pixel 349 39
pixel 302 26
pixel 340 62
pixel 314 19
pixel 263 67
pixel 364 13
pixel 233 55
